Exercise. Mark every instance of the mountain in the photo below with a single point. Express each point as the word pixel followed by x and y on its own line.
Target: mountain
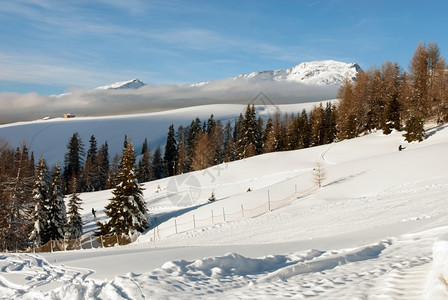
pixel 325 72
pixel 130 84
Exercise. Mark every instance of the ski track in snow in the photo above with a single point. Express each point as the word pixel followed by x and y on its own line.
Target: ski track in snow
pixel 390 269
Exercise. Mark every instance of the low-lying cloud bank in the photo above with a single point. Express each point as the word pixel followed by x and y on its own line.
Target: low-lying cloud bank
pixel 25 107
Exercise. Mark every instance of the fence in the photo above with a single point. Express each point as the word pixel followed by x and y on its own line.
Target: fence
pixel 222 216
pixel 86 242
pixel 159 232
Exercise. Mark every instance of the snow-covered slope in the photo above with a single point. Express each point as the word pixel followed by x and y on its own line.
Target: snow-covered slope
pixel 326 72
pixel 370 232
pixel 130 84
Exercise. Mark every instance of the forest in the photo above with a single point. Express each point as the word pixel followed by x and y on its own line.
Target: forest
pixel 32 206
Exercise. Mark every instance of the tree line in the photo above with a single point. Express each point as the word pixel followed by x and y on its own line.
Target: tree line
pixel 385 98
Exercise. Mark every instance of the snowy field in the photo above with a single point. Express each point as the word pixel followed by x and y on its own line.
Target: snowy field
pixel 377 229
pixel 50 137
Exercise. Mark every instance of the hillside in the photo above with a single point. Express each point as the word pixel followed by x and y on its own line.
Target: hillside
pixel 369 232
pixel 49 137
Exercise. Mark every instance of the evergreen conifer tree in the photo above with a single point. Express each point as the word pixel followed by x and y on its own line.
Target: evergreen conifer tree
pixel 414 129
pixel 127 209
pixel 157 164
pixel 144 165
pixel 39 235
pixel 170 157
pixel 74 157
pixel 57 211
pixel 74 226
pixel 93 150
pixel 102 164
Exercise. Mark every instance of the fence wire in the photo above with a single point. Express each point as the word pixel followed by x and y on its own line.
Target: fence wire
pixel 224 217
pixel 160 232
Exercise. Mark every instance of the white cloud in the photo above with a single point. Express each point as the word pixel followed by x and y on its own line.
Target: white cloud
pixel 149 98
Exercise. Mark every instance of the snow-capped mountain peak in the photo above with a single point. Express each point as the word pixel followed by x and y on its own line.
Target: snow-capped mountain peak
pixel 326 72
pixel 130 84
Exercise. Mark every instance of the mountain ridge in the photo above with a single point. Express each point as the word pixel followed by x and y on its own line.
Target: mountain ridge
pixel 320 73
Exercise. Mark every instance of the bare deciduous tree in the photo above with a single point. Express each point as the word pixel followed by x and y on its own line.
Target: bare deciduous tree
pixel 319 174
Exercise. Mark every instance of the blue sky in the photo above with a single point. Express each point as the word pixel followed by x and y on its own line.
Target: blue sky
pixel 52 46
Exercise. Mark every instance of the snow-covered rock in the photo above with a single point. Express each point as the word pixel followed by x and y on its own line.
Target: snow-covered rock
pixel 130 84
pixel 326 72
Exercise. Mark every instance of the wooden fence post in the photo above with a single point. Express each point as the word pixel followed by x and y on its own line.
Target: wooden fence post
pixel 175 225
pixel 269 201
pixel 224 214
pixel 194 222
pixel 242 211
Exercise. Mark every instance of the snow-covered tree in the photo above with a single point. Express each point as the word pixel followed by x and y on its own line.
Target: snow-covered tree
pixel 127 209
pixel 57 210
pixel 40 196
pixel 74 226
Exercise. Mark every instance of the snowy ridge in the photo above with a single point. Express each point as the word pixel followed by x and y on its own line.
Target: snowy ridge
pixel 320 73
pixel 326 72
pixel 130 84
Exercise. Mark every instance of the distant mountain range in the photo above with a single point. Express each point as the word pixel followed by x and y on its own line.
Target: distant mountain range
pixel 318 73
pixel 130 84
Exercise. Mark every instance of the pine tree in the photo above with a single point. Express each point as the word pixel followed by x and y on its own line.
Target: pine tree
pixel 414 129
pixel 74 226
pixel 102 164
pixel 93 150
pixel 269 137
pixel 170 157
pixel 248 143
pixel 114 169
pixel 91 180
pixel 39 235
pixel 229 143
pixel 57 212
pixel 211 123
pixel 392 115
pixel 238 132
pixel 157 164
pixel 74 157
pixel 217 142
pixel 144 165
pixel 90 176
pixel 127 209
pixel 304 140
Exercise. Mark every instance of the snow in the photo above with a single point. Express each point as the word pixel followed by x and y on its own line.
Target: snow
pixel 375 230
pixel 326 72
pixel 130 84
pixel 50 137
